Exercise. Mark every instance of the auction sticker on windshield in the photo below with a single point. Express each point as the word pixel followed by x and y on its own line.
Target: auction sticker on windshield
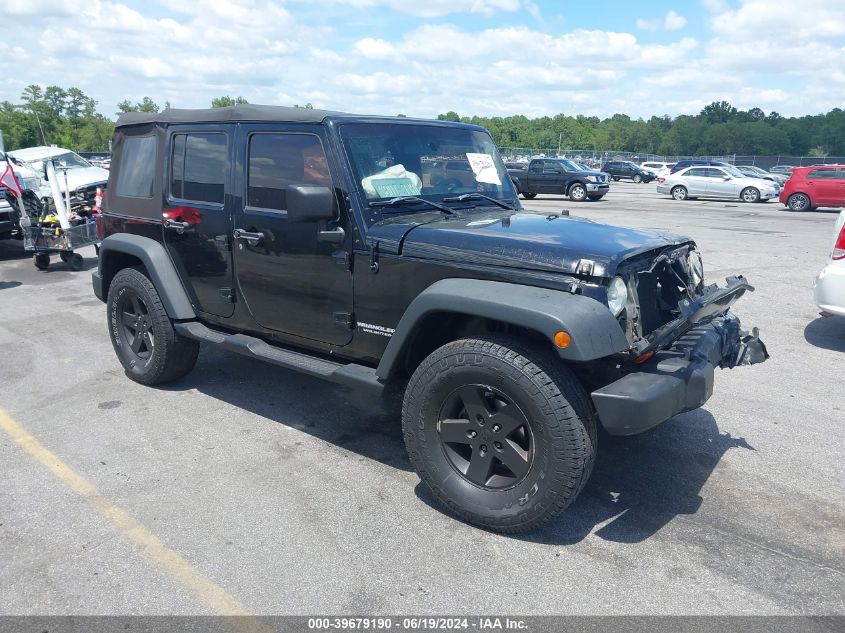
pixel 484 168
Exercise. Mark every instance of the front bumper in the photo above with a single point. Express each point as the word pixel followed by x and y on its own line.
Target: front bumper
pixel 678 378
pixel 597 187
pixel 829 289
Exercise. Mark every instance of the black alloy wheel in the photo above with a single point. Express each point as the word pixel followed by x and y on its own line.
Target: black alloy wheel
pixel 486 437
pixel 137 326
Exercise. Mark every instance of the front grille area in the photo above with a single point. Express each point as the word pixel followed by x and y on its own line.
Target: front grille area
pixel 89 192
pixel 659 289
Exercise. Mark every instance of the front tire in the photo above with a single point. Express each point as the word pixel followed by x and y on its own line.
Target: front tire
pixel 680 193
pixel 799 202
pixel 142 334
pixel 528 196
pixel 637 178
pixel 577 192
pixel 501 432
pixel 750 194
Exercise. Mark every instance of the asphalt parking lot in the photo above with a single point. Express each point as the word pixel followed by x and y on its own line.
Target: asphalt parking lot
pixel 247 488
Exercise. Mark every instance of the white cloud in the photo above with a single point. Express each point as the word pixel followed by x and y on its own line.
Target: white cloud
pixel 188 51
pixel 813 20
pixel 673 21
pixel 374 48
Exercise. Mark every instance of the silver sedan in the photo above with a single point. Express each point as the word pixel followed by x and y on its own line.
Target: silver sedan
pixel 716 182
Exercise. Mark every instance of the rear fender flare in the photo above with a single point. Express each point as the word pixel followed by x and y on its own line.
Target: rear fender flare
pixel 159 268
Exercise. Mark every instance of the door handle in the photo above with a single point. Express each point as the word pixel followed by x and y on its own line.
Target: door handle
pixel 252 239
pixel 179 227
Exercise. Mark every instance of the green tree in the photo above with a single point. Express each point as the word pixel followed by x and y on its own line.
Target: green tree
pixel 226 100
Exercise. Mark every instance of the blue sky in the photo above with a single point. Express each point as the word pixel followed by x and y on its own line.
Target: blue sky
pixel 486 57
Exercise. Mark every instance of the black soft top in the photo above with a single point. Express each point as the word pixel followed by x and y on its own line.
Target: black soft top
pixel 246 112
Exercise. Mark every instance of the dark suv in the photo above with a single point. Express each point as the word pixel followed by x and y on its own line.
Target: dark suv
pixel 619 169
pixel 319 242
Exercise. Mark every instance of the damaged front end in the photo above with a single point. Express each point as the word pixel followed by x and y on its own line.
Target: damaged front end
pixel 681 332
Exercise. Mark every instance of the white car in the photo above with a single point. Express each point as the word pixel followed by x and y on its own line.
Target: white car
pixel 710 181
pixel 655 166
pixel 829 287
pixel 83 178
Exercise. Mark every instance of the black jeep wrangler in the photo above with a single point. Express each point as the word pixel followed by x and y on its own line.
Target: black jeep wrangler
pixel 320 242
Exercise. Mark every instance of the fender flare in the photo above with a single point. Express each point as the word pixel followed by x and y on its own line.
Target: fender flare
pixel 595 332
pixel 159 267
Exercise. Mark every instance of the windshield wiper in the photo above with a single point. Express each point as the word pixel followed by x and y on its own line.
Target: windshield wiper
pixel 400 200
pixel 475 196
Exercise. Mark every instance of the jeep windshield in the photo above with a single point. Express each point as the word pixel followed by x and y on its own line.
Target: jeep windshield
pixel 418 161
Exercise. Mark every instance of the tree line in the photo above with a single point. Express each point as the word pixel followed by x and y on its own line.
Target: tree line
pixel 68 118
pixel 719 129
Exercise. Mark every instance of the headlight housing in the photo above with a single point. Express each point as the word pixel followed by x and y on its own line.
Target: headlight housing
pixel 592 178
pixel 617 296
pixel 696 267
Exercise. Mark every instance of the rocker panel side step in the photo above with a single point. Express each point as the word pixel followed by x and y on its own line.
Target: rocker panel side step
pixel 349 375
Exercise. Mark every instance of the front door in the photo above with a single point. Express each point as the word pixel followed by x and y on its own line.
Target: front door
pixel 721 184
pixel 291 280
pixel 196 214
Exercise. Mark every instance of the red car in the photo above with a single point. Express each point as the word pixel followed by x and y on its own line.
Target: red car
pixel 815 186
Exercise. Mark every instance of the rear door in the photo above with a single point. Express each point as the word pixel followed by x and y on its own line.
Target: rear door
pixel 197 213
pixel 695 180
pixel 824 186
pixel 291 281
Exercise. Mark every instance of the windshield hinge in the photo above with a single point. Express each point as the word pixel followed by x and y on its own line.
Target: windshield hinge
pixel 374 256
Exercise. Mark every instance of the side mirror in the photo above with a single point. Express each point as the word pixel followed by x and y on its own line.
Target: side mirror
pixel 726 177
pixel 309 203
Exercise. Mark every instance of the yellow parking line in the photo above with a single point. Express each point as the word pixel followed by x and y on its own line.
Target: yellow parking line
pixel 209 593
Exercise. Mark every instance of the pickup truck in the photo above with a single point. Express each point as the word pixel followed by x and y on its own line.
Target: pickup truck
pixel 561 176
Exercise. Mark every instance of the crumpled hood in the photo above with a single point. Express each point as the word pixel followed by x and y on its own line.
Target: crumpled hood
pixel 517 240
pixel 82 177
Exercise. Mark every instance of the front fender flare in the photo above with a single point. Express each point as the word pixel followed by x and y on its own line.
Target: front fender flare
pixel 595 332
pixel 159 267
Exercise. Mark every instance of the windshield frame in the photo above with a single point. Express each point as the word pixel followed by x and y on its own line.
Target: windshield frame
pixel 373 214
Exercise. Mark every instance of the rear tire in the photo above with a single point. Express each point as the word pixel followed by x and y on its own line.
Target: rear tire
pixel 142 334
pixel 528 196
pixel 680 192
pixel 517 476
pixel 799 202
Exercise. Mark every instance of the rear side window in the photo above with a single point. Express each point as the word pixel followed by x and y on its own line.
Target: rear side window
pixel 819 174
pixel 198 167
pixel 137 167
pixel 696 171
pixel 279 160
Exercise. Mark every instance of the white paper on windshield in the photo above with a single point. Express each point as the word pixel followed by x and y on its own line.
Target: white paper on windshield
pixel 484 168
